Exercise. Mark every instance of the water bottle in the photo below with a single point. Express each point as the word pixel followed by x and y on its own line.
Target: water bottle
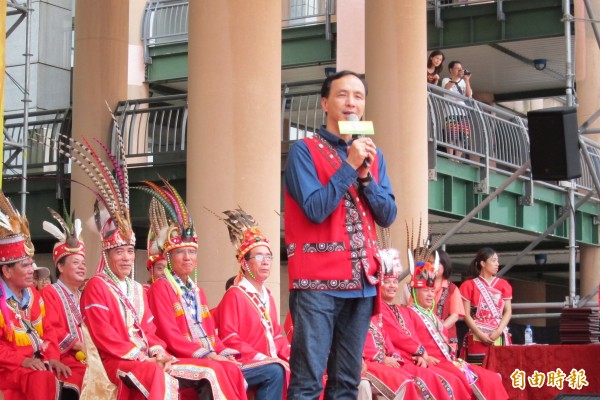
pixel 528 335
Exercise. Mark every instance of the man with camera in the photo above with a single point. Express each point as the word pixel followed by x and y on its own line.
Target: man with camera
pixel 456 125
pixel 459 81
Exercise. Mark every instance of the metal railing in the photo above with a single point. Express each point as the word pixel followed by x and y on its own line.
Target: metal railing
pixel 459 128
pixel 307 12
pixel 438 5
pixel 469 127
pixel 154 129
pixel 46 126
pixel 166 21
pixel 301 114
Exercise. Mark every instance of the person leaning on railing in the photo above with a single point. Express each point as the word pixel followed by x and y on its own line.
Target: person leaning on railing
pixel 456 124
pixel 435 65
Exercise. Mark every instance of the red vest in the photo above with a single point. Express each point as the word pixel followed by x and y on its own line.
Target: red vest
pixel 319 255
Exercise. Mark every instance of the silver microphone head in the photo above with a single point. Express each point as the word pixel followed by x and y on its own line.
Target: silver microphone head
pixel 352 117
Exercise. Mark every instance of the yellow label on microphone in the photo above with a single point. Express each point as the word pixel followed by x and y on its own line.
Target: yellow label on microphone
pixel 356 127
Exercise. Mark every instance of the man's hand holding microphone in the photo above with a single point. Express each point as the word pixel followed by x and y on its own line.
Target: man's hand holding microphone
pixel 361 153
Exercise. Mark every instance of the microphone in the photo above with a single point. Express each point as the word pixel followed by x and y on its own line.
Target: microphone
pixel 355 118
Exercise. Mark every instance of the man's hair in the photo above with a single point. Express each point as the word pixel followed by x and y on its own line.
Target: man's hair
pixel 326 87
pixel 229 282
pixel 60 262
pixel 452 64
pixel 9 265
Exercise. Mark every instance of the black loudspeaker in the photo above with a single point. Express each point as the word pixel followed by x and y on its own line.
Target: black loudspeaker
pixel 554 144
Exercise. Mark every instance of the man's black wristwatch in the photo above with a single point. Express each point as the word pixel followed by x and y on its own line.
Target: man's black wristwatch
pixel 366 179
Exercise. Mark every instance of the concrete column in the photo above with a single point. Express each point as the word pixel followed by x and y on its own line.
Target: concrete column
pixel 350 29
pixel 587 54
pixel 589 276
pixel 136 72
pixel 587 58
pixel 396 55
pixel 99 77
pixel 233 145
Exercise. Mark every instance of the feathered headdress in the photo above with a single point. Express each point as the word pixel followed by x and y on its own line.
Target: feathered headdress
pixel 243 231
pixel 154 251
pixel 68 234
pixel 390 257
pixel 112 192
pixel 15 239
pixel 423 272
pixel 170 222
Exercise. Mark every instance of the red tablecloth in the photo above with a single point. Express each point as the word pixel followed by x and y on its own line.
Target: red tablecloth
pixel 545 359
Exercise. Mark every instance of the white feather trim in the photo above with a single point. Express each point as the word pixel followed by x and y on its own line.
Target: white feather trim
pixel 77 228
pixel 54 231
pixel 5 222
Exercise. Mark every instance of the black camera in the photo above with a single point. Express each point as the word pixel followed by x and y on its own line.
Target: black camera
pixel 467 72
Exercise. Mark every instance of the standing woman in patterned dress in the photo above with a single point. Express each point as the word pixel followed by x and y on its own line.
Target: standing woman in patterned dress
pixel 487 301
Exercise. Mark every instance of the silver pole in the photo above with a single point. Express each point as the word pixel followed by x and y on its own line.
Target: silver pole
pixel 524 306
pixel 571 190
pixel 26 102
pixel 567 17
pixel 572 246
pixel 540 315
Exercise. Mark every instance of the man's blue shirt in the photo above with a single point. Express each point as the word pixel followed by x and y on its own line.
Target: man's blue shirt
pixel 9 293
pixel 318 201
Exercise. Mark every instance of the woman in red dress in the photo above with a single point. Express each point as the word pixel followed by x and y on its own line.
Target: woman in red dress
pixel 487 301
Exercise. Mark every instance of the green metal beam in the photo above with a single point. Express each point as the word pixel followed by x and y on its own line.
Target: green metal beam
pixel 307 45
pixel 463 26
pixel 471 25
pixel 453 194
pixel 169 63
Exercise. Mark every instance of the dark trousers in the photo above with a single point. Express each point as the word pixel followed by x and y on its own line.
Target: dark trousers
pixel 329 332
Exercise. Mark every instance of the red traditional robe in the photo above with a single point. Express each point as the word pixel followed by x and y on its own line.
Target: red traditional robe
pixel 122 329
pixel 63 314
pixel 22 333
pixel 431 334
pixel 402 334
pixel 248 326
pixel 391 381
pixel 173 322
pixel 487 306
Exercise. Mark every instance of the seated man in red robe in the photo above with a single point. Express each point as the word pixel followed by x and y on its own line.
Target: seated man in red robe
pixel 401 331
pixel 182 315
pixel 29 356
pixel 247 318
pixel 392 362
pixel 433 335
pixel 62 298
pixel 115 308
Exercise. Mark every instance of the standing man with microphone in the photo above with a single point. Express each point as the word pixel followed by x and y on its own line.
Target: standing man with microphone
pixel 336 190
